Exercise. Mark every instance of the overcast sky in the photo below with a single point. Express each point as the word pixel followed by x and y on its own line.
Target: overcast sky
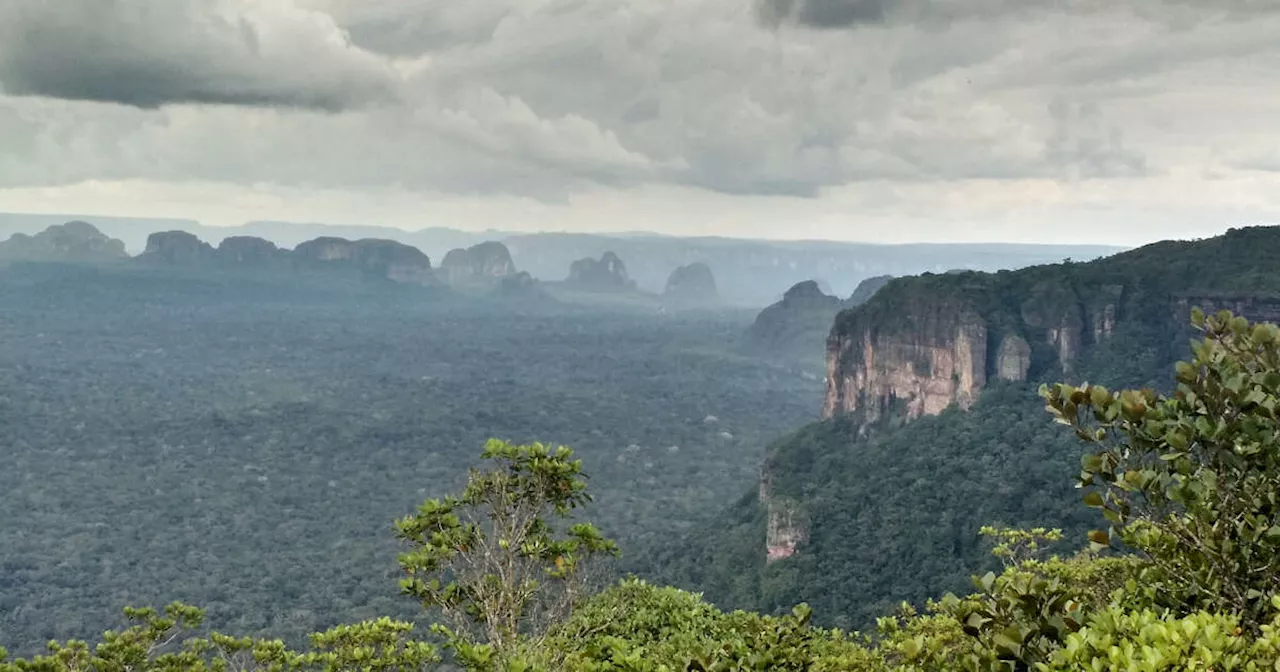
pixel 1118 121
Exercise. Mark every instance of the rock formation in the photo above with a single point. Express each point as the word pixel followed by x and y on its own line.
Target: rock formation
pixel 927 342
pixel 607 273
pixel 177 248
pixel 692 284
pixel 73 241
pixel 249 251
pixel 479 265
pixel 372 257
pixel 787 527
pixel 799 323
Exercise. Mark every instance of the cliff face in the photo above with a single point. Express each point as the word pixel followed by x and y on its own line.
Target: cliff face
pixel 939 359
pixel 73 241
pixel 787 527
pixel 483 264
pixel 929 341
pixel 933 341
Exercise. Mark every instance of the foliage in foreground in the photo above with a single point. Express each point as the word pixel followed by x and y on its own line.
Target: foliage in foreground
pixel 1188 482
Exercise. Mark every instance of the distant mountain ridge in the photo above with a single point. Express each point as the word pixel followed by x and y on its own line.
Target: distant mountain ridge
pixel 747 272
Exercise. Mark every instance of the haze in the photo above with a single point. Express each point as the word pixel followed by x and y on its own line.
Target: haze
pixel 868 120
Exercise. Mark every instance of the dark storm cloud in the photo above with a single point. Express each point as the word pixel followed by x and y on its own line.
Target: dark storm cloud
pixel 822 13
pixel 148 54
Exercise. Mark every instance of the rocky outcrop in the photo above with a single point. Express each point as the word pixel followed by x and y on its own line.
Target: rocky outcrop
pixel 176 248
pixel 933 341
pixel 249 251
pixel 935 361
pixel 786 526
pixel 692 284
pixel 1255 308
pixel 1013 360
pixel 479 265
pixel 74 241
pixel 605 274
pixel 381 259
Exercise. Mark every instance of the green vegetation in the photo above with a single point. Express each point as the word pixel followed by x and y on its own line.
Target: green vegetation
pixel 894 507
pixel 243 443
pixel 1209 603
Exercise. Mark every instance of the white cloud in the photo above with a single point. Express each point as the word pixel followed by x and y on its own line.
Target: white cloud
pixel 890 114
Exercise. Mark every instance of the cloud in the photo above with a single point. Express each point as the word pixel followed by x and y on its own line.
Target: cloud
pixel 552 98
pixel 150 53
pixel 822 13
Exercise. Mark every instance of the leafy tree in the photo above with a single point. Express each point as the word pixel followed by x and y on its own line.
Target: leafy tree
pixel 497 560
pixel 169 642
pixel 1192 479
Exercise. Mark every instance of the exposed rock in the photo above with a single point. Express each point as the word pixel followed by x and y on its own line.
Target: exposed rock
pixel 72 241
pixel 693 284
pixel 249 250
pixel 1014 358
pixel 1254 308
pixel 930 341
pixel 608 273
pixel 787 527
pixel 938 360
pixel 482 264
pixel 177 248
pixel 382 259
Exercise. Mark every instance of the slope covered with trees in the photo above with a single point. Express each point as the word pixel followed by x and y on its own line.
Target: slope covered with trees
pixel 868 508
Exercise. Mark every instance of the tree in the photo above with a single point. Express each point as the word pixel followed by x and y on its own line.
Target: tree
pixel 1192 479
pixel 502 560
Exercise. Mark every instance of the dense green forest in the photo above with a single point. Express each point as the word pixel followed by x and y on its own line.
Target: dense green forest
pixel 892 509
pixel 1186 576
pixel 244 443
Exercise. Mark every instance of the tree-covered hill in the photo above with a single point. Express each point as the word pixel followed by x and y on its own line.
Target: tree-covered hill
pixel 862 513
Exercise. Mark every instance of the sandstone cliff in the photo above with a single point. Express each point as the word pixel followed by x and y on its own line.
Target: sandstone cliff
pixel 483 265
pixel 693 284
pixel 73 241
pixel 786 526
pixel 927 342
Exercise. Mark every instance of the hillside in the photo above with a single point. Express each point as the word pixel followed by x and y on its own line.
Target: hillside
pixel 933 428
pixel 796 326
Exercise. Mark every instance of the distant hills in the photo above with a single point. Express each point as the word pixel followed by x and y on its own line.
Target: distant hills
pixel 747 272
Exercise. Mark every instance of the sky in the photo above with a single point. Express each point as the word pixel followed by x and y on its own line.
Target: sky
pixel 1060 121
